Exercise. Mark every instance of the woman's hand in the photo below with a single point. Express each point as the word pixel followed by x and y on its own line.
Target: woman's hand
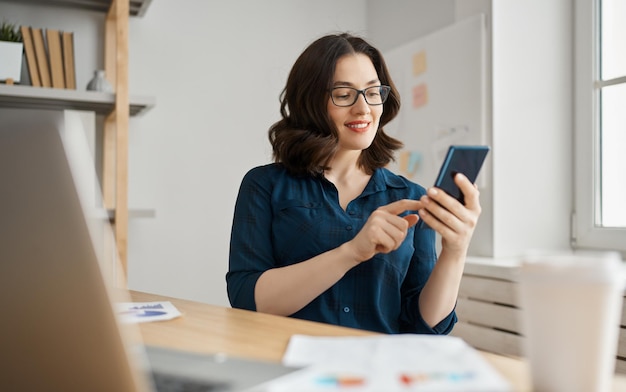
pixel 384 230
pixel 446 215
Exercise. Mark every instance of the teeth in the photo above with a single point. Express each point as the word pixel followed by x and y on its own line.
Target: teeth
pixel 358 125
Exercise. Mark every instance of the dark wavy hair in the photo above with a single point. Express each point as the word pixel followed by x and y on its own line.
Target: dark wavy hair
pixel 305 139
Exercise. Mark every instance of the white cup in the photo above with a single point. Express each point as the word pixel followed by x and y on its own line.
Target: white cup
pixel 571 307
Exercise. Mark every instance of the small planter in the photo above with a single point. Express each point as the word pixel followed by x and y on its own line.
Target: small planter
pixel 11 64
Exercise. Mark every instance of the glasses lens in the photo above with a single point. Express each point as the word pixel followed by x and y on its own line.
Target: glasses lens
pixel 344 96
pixel 376 95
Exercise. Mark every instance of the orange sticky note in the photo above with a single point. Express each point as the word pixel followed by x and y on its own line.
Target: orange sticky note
pixel 419 63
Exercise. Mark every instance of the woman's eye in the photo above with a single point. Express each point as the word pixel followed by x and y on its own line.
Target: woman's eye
pixel 373 92
pixel 342 95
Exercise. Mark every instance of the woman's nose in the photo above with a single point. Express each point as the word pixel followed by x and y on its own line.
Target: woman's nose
pixel 361 106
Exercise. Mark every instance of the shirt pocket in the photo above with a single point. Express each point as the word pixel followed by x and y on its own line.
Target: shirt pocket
pixel 285 205
pixel 296 230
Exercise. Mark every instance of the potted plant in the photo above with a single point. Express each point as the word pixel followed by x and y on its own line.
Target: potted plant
pixel 11 49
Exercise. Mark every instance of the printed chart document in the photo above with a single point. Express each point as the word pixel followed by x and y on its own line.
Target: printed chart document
pixel 385 363
pixel 142 312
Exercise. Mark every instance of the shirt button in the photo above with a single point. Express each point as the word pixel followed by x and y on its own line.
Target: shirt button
pixel 348 227
pixel 351 212
pixel 346 309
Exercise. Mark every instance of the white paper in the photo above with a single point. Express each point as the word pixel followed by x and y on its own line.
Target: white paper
pixel 385 363
pixel 142 312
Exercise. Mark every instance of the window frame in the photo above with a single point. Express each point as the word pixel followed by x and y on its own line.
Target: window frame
pixel 585 232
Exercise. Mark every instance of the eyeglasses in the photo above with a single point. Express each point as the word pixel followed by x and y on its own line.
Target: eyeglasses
pixel 347 96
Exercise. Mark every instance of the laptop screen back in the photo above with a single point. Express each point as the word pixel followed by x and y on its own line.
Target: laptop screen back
pixel 58 329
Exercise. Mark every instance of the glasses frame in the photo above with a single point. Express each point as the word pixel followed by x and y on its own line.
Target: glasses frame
pixel 385 90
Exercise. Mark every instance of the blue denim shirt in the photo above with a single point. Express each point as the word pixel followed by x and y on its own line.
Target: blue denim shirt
pixel 281 220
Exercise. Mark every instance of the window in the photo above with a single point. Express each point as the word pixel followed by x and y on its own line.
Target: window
pixel 600 119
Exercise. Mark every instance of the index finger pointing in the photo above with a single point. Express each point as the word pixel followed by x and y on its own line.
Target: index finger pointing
pixel 400 206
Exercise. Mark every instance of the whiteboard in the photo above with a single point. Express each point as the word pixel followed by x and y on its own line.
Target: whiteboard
pixel 441 79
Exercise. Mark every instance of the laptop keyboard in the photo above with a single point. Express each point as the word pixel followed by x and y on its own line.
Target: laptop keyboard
pixel 164 382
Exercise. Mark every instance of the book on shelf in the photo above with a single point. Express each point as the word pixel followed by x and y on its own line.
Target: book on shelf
pixel 50 57
pixel 68 59
pixel 31 59
pixel 42 57
pixel 55 56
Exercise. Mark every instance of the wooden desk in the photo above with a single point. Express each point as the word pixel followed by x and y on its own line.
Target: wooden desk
pixel 214 329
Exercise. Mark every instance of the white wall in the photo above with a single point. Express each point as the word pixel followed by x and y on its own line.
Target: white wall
pixel 532 124
pixel 392 23
pixel 217 69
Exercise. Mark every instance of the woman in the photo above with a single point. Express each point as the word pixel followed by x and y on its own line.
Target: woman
pixel 326 233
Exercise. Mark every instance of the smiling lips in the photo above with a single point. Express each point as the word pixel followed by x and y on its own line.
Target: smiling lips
pixel 358 126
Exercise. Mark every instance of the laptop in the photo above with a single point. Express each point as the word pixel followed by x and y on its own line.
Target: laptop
pixel 59 330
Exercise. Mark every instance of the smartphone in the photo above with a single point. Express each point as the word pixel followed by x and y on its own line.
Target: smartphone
pixel 459 159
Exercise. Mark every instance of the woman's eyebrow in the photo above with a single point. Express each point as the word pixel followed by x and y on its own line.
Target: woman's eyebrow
pixel 342 83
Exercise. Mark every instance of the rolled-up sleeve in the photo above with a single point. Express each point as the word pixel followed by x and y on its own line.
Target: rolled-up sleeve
pixel 422 264
pixel 250 251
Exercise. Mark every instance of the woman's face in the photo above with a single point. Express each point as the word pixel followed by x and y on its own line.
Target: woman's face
pixel 357 124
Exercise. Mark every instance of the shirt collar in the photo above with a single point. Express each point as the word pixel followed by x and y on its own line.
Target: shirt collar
pixel 381 180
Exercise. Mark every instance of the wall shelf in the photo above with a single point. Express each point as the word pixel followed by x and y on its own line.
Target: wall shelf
pixel 133 213
pixel 27 97
pixel 135 7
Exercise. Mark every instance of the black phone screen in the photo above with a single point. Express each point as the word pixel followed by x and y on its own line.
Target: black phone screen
pixel 467 160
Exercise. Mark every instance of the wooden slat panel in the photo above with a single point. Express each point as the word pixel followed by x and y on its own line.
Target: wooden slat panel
pixel 621 346
pixel 620 366
pixel 488 267
pixel 489 315
pixel 489 290
pixel 488 339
